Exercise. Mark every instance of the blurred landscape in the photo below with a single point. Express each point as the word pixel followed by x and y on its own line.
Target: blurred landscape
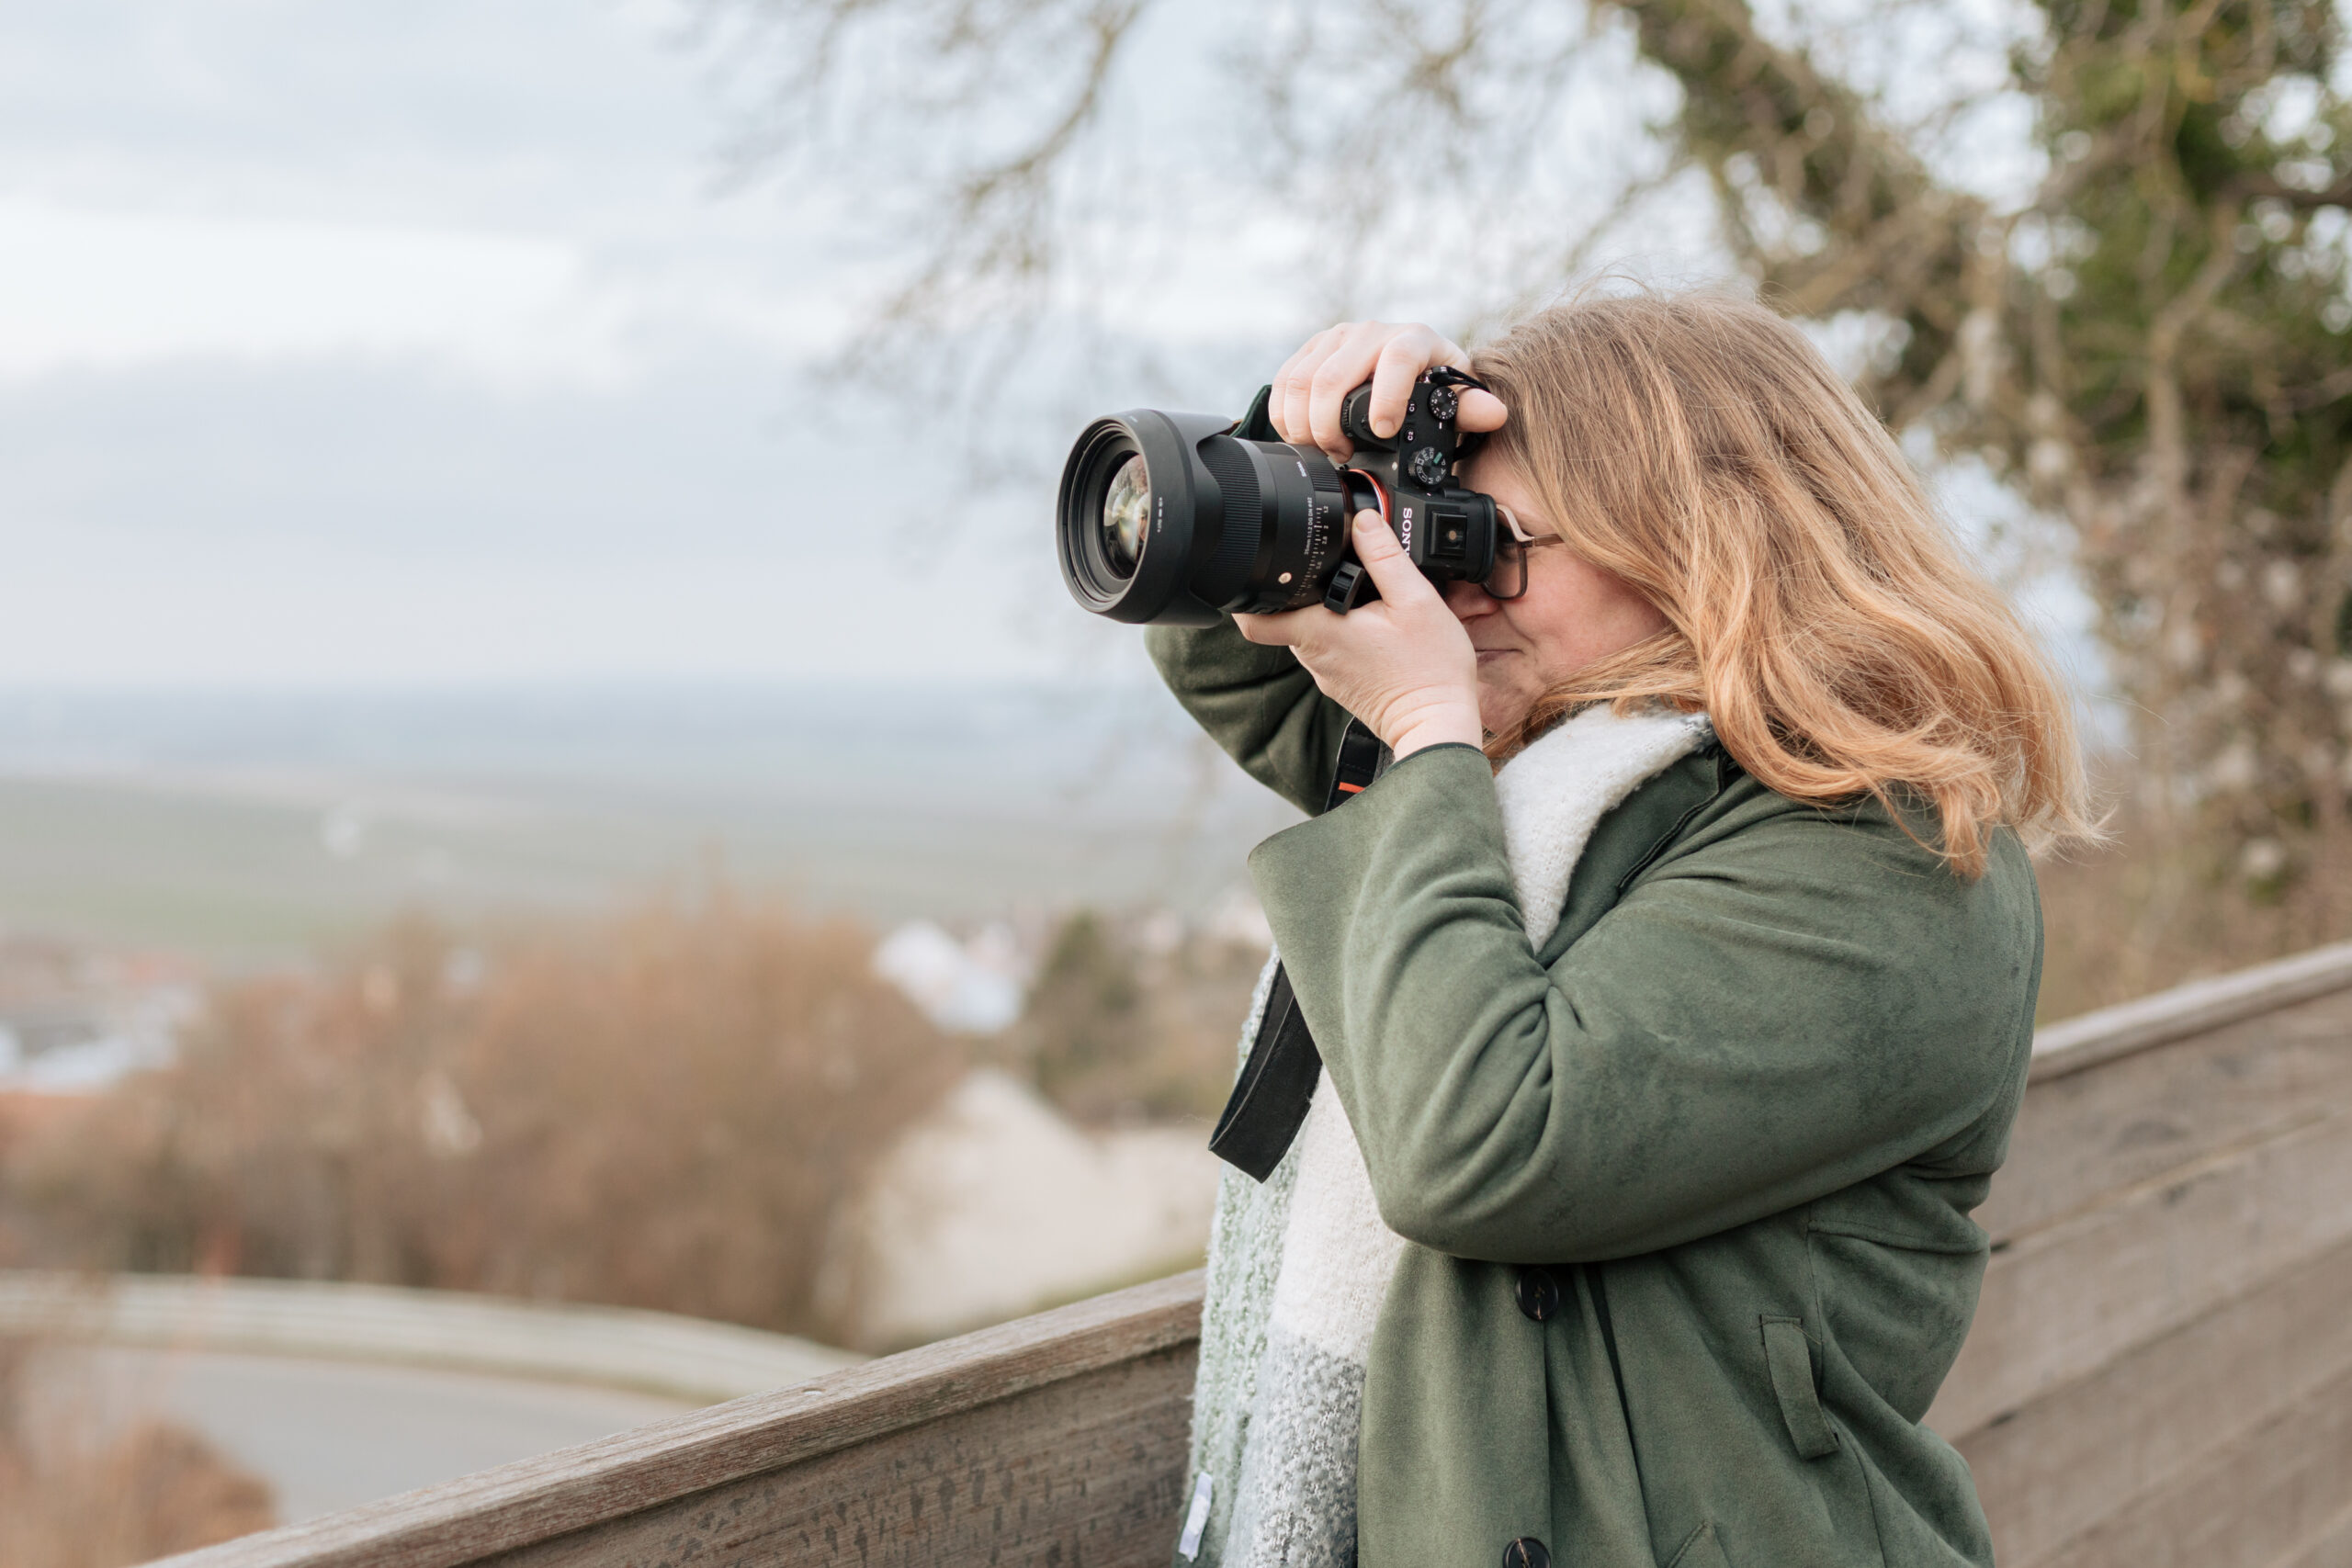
pixel 256 826
pixel 542 752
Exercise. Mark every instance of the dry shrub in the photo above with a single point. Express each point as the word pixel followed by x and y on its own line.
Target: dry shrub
pixel 660 1110
pixel 76 1498
pixel 2151 912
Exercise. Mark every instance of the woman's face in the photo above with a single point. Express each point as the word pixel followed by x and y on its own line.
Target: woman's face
pixel 1572 614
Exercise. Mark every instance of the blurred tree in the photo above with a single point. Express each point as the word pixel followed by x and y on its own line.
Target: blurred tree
pixel 2155 343
pixel 1085 1012
pixel 1126 1025
pixel 2141 326
pixel 83 1487
pixel 662 1108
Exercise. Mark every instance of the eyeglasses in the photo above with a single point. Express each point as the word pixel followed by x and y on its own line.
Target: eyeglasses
pixel 1509 579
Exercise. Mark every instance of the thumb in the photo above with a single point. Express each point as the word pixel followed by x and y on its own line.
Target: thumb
pixel 1392 571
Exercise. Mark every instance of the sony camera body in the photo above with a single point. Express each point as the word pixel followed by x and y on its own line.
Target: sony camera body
pixel 1448 529
pixel 1176 519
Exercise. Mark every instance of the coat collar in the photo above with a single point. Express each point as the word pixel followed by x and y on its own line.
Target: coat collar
pixel 1628 839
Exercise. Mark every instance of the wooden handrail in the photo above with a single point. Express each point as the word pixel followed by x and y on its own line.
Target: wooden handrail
pixel 2192 1008
pixel 536 1500
pixel 2178 1207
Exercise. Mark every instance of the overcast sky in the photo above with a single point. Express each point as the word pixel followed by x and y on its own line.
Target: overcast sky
pixel 424 344
pixel 419 343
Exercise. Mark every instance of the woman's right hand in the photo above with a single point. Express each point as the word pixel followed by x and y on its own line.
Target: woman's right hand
pixel 1313 383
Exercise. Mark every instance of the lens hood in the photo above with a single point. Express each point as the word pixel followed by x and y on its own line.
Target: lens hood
pixel 1186 510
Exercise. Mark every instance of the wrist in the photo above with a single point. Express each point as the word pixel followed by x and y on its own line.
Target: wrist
pixel 1448 728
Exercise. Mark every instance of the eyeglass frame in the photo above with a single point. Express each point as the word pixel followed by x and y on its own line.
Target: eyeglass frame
pixel 1513 545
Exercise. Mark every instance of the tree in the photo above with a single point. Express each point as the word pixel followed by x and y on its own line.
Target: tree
pixel 2145 335
pixel 2155 343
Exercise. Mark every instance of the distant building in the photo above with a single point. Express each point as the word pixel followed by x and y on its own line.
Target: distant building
pixel 77 1021
pixel 969 987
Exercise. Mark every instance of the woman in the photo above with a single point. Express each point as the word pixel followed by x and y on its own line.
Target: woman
pixel 1663 1063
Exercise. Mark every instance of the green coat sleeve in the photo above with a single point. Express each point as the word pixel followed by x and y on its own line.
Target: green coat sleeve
pixel 1259 704
pixel 1787 1002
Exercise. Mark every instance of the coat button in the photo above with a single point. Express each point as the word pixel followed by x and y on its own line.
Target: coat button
pixel 1526 1553
pixel 1539 1298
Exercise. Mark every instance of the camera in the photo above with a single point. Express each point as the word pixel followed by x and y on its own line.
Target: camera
pixel 1171 519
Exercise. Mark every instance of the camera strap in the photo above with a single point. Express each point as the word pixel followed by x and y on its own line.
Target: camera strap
pixel 1361 760
pixel 1277 1083
pixel 1258 424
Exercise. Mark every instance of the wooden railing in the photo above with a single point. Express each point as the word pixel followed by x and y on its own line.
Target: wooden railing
pixel 2160 1373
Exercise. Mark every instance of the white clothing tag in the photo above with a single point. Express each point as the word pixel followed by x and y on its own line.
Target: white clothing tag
pixel 1197 1519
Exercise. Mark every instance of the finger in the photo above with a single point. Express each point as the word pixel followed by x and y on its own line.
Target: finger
pixel 1280 393
pixel 1401 361
pixel 1482 410
pixel 1295 385
pixel 1283 388
pixel 1392 571
pixel 1347 367
pixel 1275 631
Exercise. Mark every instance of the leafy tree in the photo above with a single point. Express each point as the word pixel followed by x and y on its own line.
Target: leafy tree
pixel 2154 344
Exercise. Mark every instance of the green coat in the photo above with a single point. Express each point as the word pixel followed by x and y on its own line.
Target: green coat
pixel 1735 1113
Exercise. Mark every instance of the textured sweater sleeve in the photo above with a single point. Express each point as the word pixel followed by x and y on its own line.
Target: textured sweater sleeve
pixel 1773 1012
pixel 1259 704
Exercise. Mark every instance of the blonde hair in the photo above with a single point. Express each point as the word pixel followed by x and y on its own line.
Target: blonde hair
pixel 1817 608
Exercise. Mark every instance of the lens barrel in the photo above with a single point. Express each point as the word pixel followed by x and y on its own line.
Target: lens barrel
pixel 1216 523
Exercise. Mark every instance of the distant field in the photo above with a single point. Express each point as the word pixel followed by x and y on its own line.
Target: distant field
pixel 262 824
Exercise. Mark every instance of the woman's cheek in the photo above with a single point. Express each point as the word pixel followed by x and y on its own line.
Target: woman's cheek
pixel 1501 705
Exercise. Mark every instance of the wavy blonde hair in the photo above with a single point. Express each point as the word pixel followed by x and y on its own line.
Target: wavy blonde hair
pixel 1817 608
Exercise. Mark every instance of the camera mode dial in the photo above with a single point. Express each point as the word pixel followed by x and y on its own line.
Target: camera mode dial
pixel 1429 466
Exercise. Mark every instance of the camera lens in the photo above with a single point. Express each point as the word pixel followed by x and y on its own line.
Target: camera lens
pixel 1170 518
pixel 1126 514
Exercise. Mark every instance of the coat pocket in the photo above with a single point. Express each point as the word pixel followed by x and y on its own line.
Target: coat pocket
pixel 1789 1361
pixel 1702 1551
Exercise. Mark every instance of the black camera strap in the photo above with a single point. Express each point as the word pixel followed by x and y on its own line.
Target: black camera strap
pixel 1258 424
pixel 1277 1083
pixel 1361 760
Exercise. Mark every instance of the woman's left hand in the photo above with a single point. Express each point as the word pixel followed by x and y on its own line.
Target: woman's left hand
pixel 1402 664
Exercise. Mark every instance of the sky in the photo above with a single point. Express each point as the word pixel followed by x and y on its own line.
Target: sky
pixel 427 344
pixel 430 345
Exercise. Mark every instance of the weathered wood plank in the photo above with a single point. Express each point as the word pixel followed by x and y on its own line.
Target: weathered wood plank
pixel 535 1500
pixel 2078 1456
pixel 2261 1498
pixel 2332 1548
pixel 2081 1044
pixel 2067 1299
pixel 1090 1470
pixel 2084 1134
